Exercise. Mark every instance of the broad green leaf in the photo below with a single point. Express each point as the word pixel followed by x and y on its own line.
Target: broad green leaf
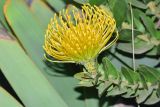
pixel 42 13
pixel 57 4
pixel 120 59
pixel 133 79
pixel 143 94
pixel 139 25
pixel 2 18
pixel 6 100
pixel 147 21
pixel 25 78
pixel 150 26
pixel 30 33
pixel 153 52
pixel 146 1
pixel 137 3
pixel 127 75
pixel 157 35
pixel 119 9
pixel 92 2
pixel 130 75
pixel 153 71
pixel 126 34
pixel 143 81
pixel 109 70
pixel 26 25
pixel 81 1
pixel 135 75
pixel 137 13
pixel 140 47
pixel 96 2
pixel 150 75
pixel 152 99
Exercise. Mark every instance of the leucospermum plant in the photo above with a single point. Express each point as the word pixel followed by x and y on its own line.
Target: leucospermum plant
pixel 78 35
pixel 82 38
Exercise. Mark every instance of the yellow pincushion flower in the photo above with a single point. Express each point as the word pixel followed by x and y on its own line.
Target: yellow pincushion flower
pixel 79 36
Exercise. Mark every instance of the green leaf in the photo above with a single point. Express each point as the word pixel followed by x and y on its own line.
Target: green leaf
pixel 149 26
pixel 81 1
pixel 109 70
pixel 85 83
pixel 146 1
pixel 127 74
pixel 102 88
pixel 130 93
pixel 126 34
pixel 140 47
pixel 116 91
pixel 137 4
pixel 150 74
pixel 96 2
pixel 143 80
pixel 119 9
pixel 139 25
pixel 84 78
pixel 153 70
pixel 152 99
pixel 57 4
pixel 130 75
pixel 42 13
pixel 148 22
pixel 80 75
pixel 143 94
pixel 158 90
pixel 26 25
pixel 137 13
pixel 25 78
pixel 6 100
pixel 157 35
pixel 92 2
pixel 2 18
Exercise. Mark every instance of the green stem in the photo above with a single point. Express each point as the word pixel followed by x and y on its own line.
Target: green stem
pixel 133 47
pixel 91 67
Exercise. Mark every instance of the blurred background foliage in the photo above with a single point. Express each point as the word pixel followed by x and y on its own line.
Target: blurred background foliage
pixel 28 80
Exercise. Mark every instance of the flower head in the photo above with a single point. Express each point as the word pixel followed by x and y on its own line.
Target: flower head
pixel 79 36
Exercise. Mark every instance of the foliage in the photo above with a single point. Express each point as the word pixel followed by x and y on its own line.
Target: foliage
pixel 39 83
